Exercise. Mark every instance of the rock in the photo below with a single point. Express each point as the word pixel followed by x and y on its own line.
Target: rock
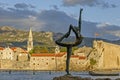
pixel 117 79
pixel 103 79
pixel 70 77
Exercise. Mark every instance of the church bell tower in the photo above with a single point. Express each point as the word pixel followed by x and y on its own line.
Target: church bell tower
pixel 30 41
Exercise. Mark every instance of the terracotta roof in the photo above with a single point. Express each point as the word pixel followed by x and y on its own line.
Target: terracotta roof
pixel 79 57
pixel 43 55
pixel 48 54
pixel 82 57
pixel 60 54
pixel 1 48
pixel 74 56
pixel 57 55
pixel 18 48
pixel 13 48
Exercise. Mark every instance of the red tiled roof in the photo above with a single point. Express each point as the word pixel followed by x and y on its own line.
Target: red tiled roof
pixel 13 48
pixel 56 55
pixel 43 55
pixel 79 57
pixel 22 50
pixel 60 54
pixel 82 57
pixel 74 56
pixel 48 54
pixel 1 48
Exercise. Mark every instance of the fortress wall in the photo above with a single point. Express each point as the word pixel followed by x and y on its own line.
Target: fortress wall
pixel 110 58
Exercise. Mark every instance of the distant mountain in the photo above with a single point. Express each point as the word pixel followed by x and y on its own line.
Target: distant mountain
pixel 15 37
pixel 87 41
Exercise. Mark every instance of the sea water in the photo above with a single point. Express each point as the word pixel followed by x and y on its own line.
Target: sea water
pixel 44 75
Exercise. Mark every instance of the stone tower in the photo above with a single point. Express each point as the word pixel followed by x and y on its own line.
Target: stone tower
pixel 30 41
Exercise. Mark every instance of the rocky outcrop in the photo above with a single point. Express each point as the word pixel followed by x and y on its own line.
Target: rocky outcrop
pixel 70 77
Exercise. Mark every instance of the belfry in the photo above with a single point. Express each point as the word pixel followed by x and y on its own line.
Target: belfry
pixel 30 41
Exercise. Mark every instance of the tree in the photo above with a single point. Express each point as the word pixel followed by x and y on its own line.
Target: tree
pixel 39 49
pixel 92 62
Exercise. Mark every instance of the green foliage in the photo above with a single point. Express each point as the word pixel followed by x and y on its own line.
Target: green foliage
pixel 74 48
pixel 42 49
pixel 31 51
pixel 63 49
pixel 92 61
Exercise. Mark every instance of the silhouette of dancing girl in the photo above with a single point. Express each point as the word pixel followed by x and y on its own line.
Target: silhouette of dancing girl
pixel 69 46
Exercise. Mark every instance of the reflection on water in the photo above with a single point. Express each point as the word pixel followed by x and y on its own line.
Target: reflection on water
pixel 43 75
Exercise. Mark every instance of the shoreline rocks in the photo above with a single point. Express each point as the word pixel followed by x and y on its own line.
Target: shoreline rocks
pixel 70 77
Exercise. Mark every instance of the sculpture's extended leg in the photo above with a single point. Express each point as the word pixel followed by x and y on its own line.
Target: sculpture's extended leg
pixel 69 52
pixel 75 30
pixel 68 33
pixel 64 36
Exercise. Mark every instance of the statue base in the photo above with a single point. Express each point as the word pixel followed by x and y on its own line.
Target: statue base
pixel 70 77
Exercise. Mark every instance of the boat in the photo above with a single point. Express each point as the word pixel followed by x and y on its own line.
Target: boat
pixel 104 73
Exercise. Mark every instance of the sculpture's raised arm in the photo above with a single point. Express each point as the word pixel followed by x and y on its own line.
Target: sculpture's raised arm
pixel 79 22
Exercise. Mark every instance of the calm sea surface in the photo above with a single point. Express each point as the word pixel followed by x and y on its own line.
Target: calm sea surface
pixel 43 75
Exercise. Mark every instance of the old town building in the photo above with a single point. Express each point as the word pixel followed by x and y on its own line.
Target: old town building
pixel 47 61
pixel 8 53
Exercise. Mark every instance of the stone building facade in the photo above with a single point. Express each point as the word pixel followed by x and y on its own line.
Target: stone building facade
pixel 14 58
pixel 7 53
pixel 57 61
pixel 46 61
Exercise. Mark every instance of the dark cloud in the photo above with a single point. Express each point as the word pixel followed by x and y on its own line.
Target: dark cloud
pixel 31 6
pixel 89 3
pixel 23 6
pixel 3 5
pixel 55 7
pixel 56 21
pixel 18 13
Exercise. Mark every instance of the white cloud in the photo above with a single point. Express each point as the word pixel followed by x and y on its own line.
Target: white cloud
pixel 101 25
pixel 32 18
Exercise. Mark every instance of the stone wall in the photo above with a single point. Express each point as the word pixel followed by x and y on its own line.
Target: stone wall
pixel 6 64
pixel 109 55
pixel 11 64
pixel 42 63
pixel 22 65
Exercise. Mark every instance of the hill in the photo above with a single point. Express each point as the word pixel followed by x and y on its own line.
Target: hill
pixel 15 37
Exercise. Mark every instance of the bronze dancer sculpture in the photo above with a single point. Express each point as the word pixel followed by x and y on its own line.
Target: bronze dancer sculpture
pixel 69 46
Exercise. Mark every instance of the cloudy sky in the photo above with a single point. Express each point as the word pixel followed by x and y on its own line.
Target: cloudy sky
pixel 99 16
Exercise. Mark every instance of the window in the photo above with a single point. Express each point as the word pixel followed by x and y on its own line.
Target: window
pixel 33 58
pixel 47 63
pixel 52 58
pixel 33 63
